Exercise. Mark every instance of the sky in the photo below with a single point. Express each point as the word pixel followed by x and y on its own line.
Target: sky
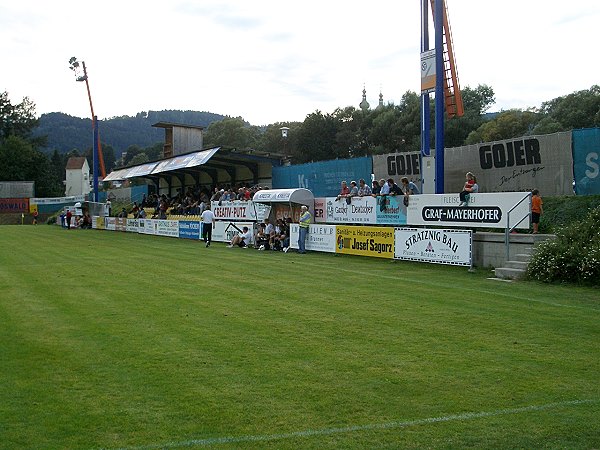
pixel 278 61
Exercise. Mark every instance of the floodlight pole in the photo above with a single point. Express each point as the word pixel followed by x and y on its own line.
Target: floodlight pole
pixel 98 161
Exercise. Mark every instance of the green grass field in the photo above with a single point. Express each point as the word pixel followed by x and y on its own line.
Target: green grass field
pixel 114 340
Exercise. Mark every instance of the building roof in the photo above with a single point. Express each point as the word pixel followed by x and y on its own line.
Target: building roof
pixel 76 162
pixel 176 125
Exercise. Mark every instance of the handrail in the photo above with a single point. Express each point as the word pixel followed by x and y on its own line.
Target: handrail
pixel 508 228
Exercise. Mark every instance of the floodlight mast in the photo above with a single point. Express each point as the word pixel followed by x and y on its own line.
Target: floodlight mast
pixel 76 67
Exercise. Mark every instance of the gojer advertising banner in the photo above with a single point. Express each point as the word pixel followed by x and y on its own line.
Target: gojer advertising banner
pixel 365 241
pixel 434 246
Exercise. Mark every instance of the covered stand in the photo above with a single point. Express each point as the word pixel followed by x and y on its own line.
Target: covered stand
pixel 291 197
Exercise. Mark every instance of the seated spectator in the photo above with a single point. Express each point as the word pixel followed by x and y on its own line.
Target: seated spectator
pixel 278 236
pixel 86 221
pixel 122 214
pixel 141 213
pixel 345 190
pixel 261 239
pixel 286 230
pixel 241 239
pixel 135 209
pixel 363 188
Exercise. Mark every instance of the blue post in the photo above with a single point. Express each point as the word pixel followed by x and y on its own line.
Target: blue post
pixel 439 96
pixel 96 160
pixel 425 113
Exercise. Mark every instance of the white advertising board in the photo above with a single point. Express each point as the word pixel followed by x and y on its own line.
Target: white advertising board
pixel 358 210
pixel 434 246
pixel 321 238
pixel 240 210
pixel 224 231
pixel 148 226
pixel 490 210
pixel 169 228
pixel 110 223
pixel 133 225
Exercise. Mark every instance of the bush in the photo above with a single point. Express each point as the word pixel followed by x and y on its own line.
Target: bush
pixel 565 210
pixel 574 256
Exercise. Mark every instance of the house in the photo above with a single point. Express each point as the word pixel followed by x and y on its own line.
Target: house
pixel 77 176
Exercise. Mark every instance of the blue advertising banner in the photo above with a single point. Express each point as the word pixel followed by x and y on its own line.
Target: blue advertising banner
pixel 586 161
pixel 391 210
pixel 189 229
pixel 323 178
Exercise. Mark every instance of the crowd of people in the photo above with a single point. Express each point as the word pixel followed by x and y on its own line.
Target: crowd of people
pixel 381 188
pixel 192 202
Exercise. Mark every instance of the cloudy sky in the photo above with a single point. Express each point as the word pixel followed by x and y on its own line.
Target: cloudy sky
pixel 271 61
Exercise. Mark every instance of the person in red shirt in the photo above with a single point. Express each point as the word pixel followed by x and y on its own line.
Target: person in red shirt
pixel 536 210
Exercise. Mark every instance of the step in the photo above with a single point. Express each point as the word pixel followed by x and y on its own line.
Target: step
pixel 516 264
pixel 523 257
pixel 510 273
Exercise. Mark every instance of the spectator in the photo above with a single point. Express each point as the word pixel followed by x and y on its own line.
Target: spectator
pixel 261 239
pixel 241 239
pixel 344 191
pixel 376 189
pixel 303 226
pixel 279 236
pixel 353 190
pixel 267 237
pixel 363 188
pixel 69 216
pixel 408 188
pixel 286 242
pixel 141 213
pixel 394 188
pixel 135 209
pixel 470 187
pixel 536 210
pixel 384 191
pixel 122 214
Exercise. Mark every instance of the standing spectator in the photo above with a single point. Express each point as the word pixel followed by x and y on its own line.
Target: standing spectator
pixel 536 210
pixel 344 191
pixel 303 224
pixel 376 189
pixel 35 217
pixel 394 188
pixel 69 216
pixel 363 188
pixel 208 220
pixel 409 188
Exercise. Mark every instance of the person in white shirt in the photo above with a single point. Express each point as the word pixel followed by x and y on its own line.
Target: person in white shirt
pixel 208 220
pixel 241 239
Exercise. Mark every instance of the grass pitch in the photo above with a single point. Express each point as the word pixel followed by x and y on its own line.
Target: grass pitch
pixel 114 340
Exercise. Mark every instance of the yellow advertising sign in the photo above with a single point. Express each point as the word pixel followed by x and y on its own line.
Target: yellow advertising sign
pixel 99 223
pixel 365 241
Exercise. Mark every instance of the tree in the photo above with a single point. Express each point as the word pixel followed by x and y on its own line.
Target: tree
pixel 476 102
pixel 231 132
pixel 140 158
pixel 17 120
pixel 316 139
pixel 581 109
pixel 19 161
pixel 506 125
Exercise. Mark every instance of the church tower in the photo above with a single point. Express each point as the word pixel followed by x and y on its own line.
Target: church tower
pixel 364 105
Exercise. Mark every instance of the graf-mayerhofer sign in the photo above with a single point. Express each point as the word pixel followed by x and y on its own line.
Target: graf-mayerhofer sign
pixel 488 210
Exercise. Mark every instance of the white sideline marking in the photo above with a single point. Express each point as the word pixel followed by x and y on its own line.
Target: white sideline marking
pixel 350 429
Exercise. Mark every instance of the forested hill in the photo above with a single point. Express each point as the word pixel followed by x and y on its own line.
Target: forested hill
pixel 66 133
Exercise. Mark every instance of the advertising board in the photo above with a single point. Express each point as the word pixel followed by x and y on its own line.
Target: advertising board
pixel 434 245
pixel 489 210
pixel 224 231
pixel 240 210
pixel 168 228
pixel 384 210
pixel 189 229
pixel 365 241
pixel 320 238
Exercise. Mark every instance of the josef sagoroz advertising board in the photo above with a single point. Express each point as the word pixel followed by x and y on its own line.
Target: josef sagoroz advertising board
pixel 490 210
pixel 365 241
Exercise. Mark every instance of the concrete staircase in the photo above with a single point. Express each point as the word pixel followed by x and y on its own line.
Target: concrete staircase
pixel 516 267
